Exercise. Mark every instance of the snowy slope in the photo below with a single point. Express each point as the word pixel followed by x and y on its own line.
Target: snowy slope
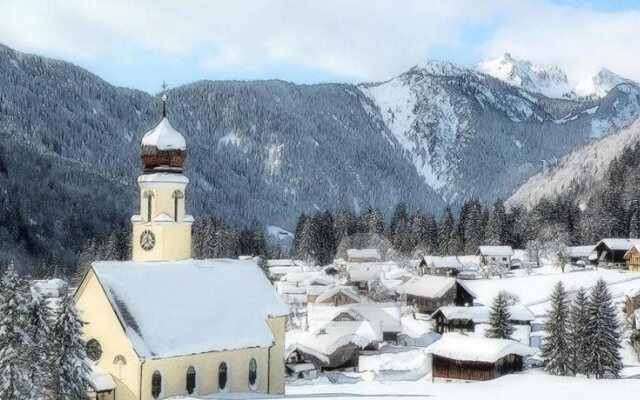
pixel 599 84
pixel 585 166
pixel 550 81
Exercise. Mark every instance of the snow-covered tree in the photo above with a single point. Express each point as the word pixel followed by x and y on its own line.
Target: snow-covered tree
pixel 15 345
pixel 69 356
pixel 555 349
pixel 38 328
pixel 579 330
pixel 603 358
pixel 500 326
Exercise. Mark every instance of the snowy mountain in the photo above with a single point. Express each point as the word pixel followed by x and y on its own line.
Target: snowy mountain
pixel 550 81
pixel 583 169
pixel 599 84
pixel 268 150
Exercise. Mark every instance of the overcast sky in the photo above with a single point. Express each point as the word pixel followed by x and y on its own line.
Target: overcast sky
pixel 141 43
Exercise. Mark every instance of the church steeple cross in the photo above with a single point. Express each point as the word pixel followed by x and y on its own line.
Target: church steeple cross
pixel 164 99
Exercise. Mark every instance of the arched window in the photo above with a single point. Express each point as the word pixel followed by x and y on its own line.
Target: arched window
pixel 253 373
pixel 156 384
pixel 222 376
pixel 148 194
pixel 120 361
pixel 177 195
pixel 191 380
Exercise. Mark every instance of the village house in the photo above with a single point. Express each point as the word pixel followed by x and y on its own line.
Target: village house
pixel 632 301
pixel 280 267
pixel 428 293
pixel 500 255
pixel 465 319
pixel 363 255
pixel 164 324
pixel 611 252
pixel 442 266
pixel 362 275
pixel 580 255
pixel 458 357
pixel 338 296
pixel 632 257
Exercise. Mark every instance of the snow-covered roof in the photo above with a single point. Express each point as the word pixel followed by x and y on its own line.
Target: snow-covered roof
pixel 285 262
pixel 457 346
pixel 443 262
pixel 580 251
pixel 347 291
pixel 430 286
pixel 373 254
pixel 368 271
pixel 100 380
pixel 618 243
pixel 50 288
pixel 333 335
pixel 164 137
pixel 163 177
pixel 283 270
pixel 499 251
pixel 480 314
pixel 174 308
pixel 386 314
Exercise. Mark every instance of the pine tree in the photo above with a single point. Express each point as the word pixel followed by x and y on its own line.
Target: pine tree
pixel 39 320
pixel 579 344
pixel 603 358
pixel 500 318
pixel 15 382
pixel 446 233
pixel 496 227
pixel 69 358
pixel 555 349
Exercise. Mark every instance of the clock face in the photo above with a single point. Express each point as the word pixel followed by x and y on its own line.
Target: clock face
pixel 147 240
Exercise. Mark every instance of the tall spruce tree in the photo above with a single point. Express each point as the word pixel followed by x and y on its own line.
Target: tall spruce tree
pixel 500 326
pixel 579 343
pixel 39 321
pixel 555 350
pixel 69 356
pixel 603 358
pixel 15 345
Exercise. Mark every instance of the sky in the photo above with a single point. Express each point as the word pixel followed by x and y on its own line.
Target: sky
pixel 142 43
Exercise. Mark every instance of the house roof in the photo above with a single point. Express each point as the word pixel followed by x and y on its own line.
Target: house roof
pixel 174 308
pixel 580 251
pixel 324 341
pixel 431 286
pixel 443 262
pixel 285 262
pixel 634 249
pixel 457 346
pixel 347 291
pixel 364 253
pixel 480 314
pixel 100 380
pixel 500 251
pixel 618 244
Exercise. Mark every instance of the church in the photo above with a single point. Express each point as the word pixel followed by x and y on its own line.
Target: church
pixel 164 324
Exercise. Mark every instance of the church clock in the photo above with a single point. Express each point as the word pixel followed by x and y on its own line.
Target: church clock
pixel 147 240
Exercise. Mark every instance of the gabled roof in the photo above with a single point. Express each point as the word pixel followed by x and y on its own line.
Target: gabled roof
pixel 175 308
pixel 443 262
pixel 347 291
pixel 480 314
pixel 364 253
pixel 618 244
pixel 431 286
pixel 457 346
pixel 499 251
pixel 580 251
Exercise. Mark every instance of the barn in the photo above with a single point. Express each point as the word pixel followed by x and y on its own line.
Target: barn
pixel 458 357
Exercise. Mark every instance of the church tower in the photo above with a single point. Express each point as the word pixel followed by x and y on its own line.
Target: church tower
pixel 162 230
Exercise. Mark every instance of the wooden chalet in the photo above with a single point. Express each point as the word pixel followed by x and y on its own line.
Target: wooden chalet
pixel 362 275
pixel 632 258
pixel 363 255
pixel 428 293
pixel 465 319
pixel 442 266
pixel 458 357
pixel 338 296
pixel 580 255
pixel 500 255
pixel 611 252
pixel 632 301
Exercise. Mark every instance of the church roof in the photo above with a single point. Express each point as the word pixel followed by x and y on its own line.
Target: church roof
pixel 173 308
pixel 164 137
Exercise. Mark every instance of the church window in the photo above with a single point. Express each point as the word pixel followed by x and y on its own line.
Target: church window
pixel 148 194
pixel 253 373
pixel 177 195
pixel 222 376
pixel 120 361
pixel 191 380
pixel 94 350
pixel 156 384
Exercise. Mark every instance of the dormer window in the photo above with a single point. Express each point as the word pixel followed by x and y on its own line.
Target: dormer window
pixel 177 195
pixel 148 194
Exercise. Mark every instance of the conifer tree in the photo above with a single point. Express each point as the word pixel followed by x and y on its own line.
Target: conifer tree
pixel 39 320
pixel 69 356
pixel 555 349
pixel 579 344
pixel 500 318
pixel 603 358
pixel 15 382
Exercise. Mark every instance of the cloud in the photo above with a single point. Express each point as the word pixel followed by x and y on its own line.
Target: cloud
pixel 357 40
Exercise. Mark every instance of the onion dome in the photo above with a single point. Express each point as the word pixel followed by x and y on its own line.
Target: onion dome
pixel 163 148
